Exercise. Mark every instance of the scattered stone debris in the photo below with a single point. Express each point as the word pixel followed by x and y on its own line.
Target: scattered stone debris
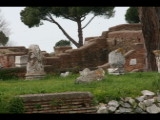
pixel 65 74
pixel 148 103
pixel 89 76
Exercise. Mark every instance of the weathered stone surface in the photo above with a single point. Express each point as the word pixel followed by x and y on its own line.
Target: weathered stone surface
pixel 116 61
pixel 140 98
pixel 147 93
pixel 101 108
pixel 113 103
pixel 125 104
pixel 157 99
pixel 132 102
pixel 137 105
pixel 21 61
pixel 112 108
pixel 85 72
pixel 138 110
pixel 35 67
pixel 133 62
pixel 148 102
pixel 90 76
pixel 142 105
pixel 125 110
pixel 158 104
pixel 65 74
pixel 153 109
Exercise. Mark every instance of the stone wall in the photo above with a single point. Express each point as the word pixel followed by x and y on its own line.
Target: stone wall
pixel 148 103
pixel 59 103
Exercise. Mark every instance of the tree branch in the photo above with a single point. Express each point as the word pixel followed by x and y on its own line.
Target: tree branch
pixel 89 21
pixel 50 19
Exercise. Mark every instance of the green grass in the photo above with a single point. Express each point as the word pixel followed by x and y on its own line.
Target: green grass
pixel 112 87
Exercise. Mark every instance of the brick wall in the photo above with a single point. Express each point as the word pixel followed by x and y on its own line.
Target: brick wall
pixel 130 38
pixel 7 55
pixel 59 103
pixel 139 55
pixel 92 54
pixel 95 50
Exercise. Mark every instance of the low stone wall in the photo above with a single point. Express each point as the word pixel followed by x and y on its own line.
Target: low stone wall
pixel 59 103
pixel 148 103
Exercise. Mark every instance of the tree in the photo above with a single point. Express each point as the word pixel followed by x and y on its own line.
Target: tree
pixel 34 16
pixel 4 25
pixel 150 17
pixel 131 15
pixel 3 39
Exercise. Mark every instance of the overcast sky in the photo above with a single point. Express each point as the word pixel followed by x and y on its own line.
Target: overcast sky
pixel 48 34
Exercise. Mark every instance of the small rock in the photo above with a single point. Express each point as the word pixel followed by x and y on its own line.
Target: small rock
pixel 148 102
pixel 112 109
pixel 142 105
pixel 113 103
pixel 147 93
pixel 153 109
pixel 140 99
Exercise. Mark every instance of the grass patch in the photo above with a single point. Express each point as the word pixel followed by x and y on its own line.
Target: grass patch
pixel 112 87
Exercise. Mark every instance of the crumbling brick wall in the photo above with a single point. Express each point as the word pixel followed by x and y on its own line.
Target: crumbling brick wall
pixel 139 55
pixel 95 50
pixel 92 54
pixel 7 55
pixel 59 103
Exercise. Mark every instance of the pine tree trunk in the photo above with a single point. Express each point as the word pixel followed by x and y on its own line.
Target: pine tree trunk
pixel 80 33
pixel 150 28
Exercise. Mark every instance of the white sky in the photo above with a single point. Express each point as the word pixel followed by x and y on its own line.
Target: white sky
pixel 48 34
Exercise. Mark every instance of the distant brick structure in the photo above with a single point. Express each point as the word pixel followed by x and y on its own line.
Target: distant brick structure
pixel 94 52
pixel 135 59
pixel 130 38
pixel 7 55
pixel 90 55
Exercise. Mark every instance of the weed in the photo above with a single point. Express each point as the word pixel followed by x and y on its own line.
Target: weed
pixel 16 105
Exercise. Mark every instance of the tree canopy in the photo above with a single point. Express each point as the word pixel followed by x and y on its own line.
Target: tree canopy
pixel 63 43
pixel 4 25
pixel 131 15
pixel 3 39
pixel 34 17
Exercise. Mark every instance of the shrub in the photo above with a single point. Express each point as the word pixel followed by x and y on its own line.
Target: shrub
pixel 63 43
pixel 11 73
pixel 16 105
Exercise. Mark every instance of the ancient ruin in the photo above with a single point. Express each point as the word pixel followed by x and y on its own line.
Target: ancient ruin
pixel 93 54
pixel 148 103
pixel 116 61
pixel 35 67
pixel 21 61
pixel 88 76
